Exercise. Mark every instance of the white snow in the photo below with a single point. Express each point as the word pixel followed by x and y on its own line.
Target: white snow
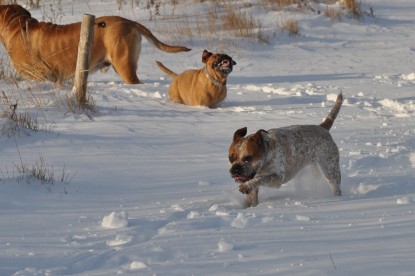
pixel 115 220
pixel 146 187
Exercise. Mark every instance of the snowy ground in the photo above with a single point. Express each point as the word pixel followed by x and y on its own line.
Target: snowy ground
pixel 149 190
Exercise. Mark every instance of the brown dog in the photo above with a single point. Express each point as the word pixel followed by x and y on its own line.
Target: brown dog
pixel 272 158
pixel 206 86
pixel 45 51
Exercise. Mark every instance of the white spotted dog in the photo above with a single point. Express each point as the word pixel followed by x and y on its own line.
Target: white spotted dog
pixel 272 158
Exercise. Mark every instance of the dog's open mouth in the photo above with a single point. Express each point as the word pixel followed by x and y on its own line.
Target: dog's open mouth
pixel 242 178
pixel 224 66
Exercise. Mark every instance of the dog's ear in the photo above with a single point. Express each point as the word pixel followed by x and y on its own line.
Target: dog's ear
pixel 233 62
pixel 206 54
pixel 257 137
pixel 239 133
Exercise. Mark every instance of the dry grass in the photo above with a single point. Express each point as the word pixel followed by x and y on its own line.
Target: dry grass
pixel 220 26
pixel 6 69
pixel 233 18
pixel 15 122
pixel 354 8
pixel 290 26
pixel 277 4
pixel 333 13
pixel 238 23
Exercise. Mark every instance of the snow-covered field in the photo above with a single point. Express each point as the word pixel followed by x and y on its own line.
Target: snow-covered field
pixel 149 191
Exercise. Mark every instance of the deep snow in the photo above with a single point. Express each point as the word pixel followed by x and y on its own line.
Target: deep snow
pixel 149 190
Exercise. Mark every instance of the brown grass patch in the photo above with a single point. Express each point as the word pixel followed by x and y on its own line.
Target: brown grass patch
pixel 333 13
pixel 238 23
pixel 290 26
pixel 354 8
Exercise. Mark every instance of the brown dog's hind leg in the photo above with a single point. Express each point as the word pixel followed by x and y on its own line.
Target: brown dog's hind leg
pixel 127 72
pixel 125 61
pixel 174 95
pixel 252 198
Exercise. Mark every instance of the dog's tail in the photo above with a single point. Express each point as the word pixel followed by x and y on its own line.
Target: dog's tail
pixel 157 43
pixel 165 69
pixel 329 120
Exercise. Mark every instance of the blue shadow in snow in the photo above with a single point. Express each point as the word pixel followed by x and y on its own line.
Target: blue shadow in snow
pixel 235 80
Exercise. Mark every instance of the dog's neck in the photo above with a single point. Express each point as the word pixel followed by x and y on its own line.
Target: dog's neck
pixel 213 80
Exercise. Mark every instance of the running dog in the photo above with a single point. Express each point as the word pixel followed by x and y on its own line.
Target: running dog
pixel 272 158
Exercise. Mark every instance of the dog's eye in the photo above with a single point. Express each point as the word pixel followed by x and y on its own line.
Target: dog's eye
pixel 232 159
pixel 247 159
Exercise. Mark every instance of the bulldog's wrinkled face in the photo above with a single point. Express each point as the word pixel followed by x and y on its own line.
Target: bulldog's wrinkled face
pixel 219 62
pixel 246 155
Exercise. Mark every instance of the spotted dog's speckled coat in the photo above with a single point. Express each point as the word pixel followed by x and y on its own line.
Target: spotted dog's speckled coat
pixel 271 158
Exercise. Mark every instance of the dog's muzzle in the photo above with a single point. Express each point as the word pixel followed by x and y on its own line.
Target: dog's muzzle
pixel 224 65
pixel 239 173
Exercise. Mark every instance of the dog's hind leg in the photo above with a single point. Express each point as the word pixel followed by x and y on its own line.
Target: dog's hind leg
pixel 127 71
pixel 331 170
pixel 174 94
pixel 125 61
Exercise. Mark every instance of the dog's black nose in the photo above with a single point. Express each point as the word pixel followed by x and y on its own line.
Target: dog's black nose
pixel 236 169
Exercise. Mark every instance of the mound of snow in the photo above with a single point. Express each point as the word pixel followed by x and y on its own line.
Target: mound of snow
pixel 224 246
pixel 403 200
pixel 119 240
pixel 240 221
pixel 410 76
pixel 136 265
pixel 115 220
pixel 412 159
pixel 302 218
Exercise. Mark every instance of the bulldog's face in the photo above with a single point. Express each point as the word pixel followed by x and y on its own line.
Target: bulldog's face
pixel 246 155
pixel 218 62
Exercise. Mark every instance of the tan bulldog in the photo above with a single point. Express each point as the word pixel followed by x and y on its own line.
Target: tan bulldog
pixel 203 87
pixel 272 158
pixel 46 51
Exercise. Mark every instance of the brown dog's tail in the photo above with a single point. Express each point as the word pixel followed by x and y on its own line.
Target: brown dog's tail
pixel 329 120
pixel 160 45
pixel 165 69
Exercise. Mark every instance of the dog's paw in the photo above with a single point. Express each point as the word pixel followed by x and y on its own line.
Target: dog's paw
pixel 245 188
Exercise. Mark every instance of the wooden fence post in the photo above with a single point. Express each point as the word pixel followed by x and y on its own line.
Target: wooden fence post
pixel 84 54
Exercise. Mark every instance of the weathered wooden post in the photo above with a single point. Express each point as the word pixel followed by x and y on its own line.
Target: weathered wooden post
pixel 84 54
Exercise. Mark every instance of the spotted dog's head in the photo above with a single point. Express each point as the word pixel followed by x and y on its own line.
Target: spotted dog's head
pixel 246 155
pixel 221 63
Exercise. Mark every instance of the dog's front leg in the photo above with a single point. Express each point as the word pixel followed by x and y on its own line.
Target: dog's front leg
pixel 273 180
pixel 249 185
pixel 252 198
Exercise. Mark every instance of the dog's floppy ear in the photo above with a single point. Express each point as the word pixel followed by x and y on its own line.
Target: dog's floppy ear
pixel 233 62
pixel 239 133
pixel 205 56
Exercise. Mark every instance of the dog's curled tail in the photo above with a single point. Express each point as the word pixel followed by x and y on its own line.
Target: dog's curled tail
pixel 329 120
pixel 165 69
pixel 160 45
